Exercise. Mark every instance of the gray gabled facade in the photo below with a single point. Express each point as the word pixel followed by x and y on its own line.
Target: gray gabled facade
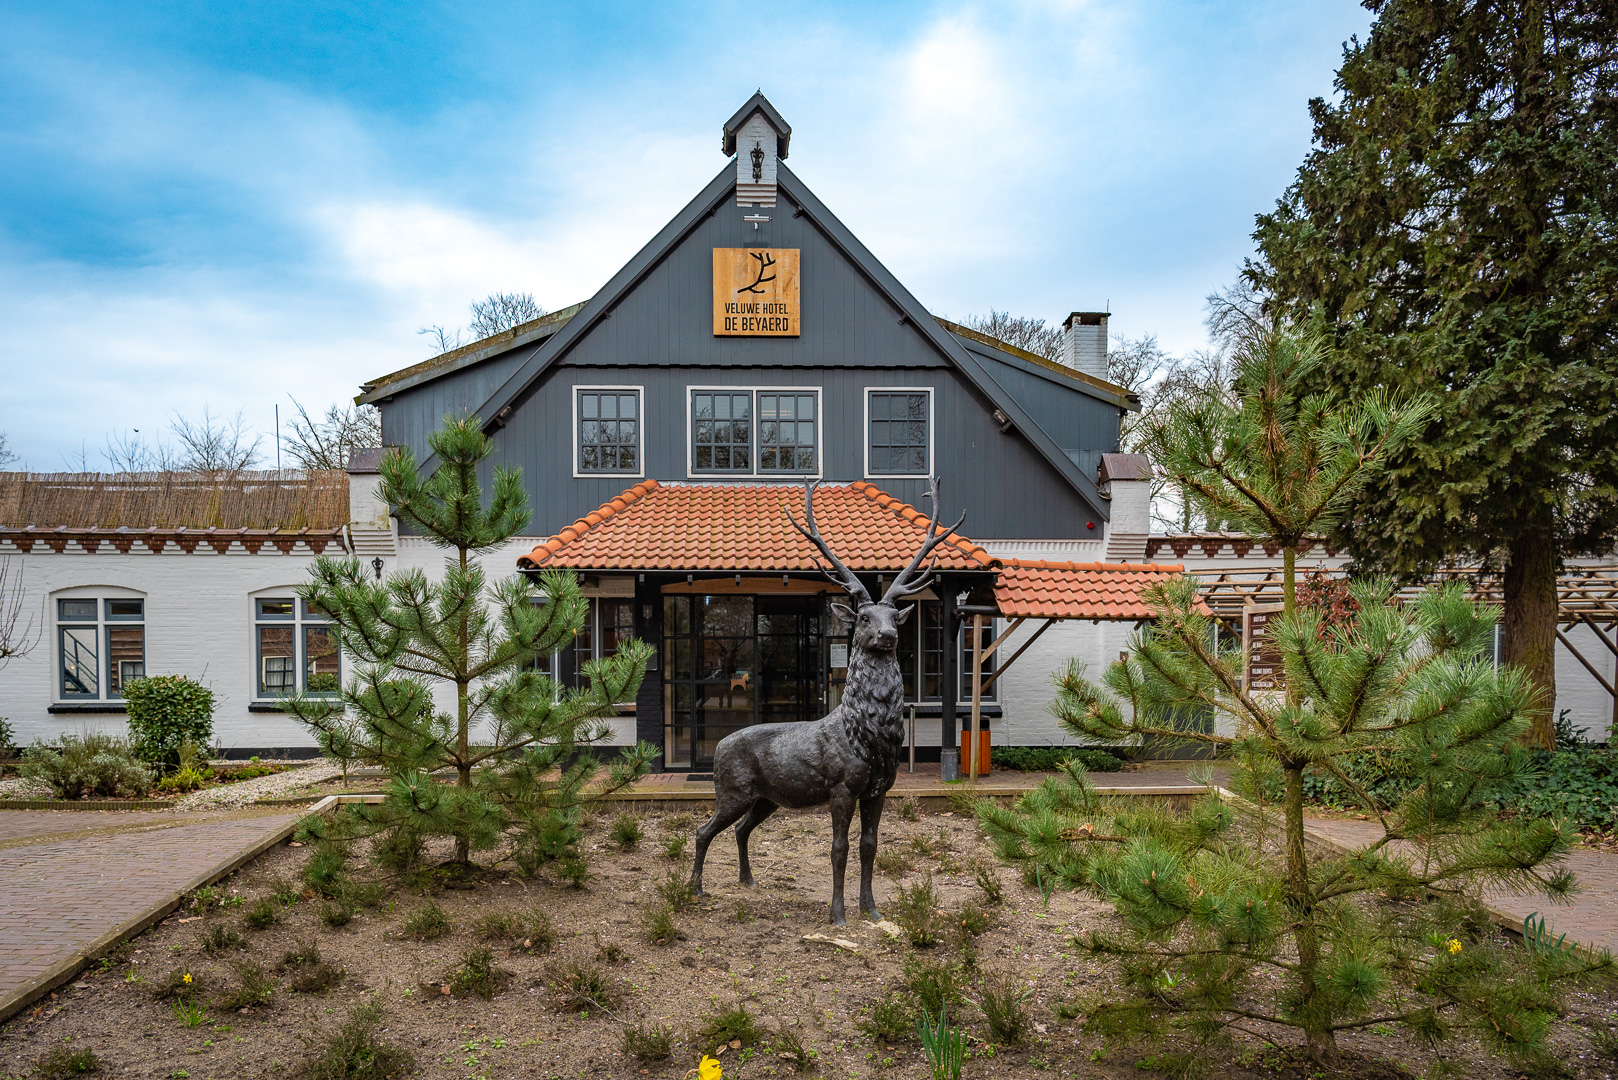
pixel 1017 439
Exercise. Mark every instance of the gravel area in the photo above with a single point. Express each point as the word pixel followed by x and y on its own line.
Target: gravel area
pixel 235 796
pixel 19 787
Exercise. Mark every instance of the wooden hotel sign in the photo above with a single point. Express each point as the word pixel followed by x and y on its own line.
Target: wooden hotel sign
pixel 755 292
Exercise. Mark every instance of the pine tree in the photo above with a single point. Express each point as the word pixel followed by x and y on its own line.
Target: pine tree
pixel 1454 230
pixel 519 743
pixel 1228 920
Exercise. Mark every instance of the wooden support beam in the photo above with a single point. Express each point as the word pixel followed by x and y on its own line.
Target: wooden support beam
pixel 1577 655
pixel 977 698
pixel 1012 629
pixel 1001 670
pixel 1584 617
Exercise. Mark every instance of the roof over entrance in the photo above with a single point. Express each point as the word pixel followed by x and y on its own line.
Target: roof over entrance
pixel 732 527
pixel 1035 589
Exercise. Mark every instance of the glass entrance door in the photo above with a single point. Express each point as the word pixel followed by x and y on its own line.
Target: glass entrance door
pixel 732 661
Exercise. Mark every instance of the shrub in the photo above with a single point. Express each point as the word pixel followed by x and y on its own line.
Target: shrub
pixel 498 926
pixel 326 872
pixel 973 920
pixel 335 914
pixel 1050 758
pixel 581 985
pixel 934 984
pixel 674 845
pixel 307 954
pixel 63 1062
pixel 179 982
pixel 185 779
pixel 989 882
pixel 1004 1010
pixel 8 739
pixel 893 862
pixel 573 869
pixel 88 765
pixel 890 1020
pixel 648 1044
pixel 658 926
pixel 626 831
pixel 253 987
pixel 789 1048
pixel 917 913
pixel 355 1051
pixel 675 890
pixel 221 938
pixel 317 979
pixel 165 711
pixel 734 1024
pixel 541 934
pixel 478 974
pixel 428 924
pixel 264 914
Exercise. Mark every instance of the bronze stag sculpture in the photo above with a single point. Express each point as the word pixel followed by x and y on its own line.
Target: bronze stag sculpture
pixel 849 756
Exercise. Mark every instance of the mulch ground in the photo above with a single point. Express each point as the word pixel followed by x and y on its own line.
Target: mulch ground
pixel 736 948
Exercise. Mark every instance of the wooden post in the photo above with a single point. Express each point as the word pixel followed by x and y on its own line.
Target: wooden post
pixel 977 693
pixel 912 738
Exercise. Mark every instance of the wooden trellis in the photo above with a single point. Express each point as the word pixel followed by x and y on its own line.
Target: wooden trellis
pixel 1586 595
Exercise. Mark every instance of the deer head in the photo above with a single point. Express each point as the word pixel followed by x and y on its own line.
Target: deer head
pixel 876 622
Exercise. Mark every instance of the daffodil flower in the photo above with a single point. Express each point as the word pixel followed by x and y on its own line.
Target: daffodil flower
pixel 188 978
pixel 1454 945
pixel 708 1069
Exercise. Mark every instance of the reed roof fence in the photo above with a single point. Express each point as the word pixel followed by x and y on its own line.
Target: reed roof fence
pixel 247 499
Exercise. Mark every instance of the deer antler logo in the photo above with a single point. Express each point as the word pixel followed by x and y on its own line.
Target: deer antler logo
pixel 766 262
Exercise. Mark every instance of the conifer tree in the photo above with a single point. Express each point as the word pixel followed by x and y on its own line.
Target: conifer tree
pixel 519 743
pixel 1227 923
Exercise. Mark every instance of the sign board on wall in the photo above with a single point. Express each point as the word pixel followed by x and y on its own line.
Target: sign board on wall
pixel 755 292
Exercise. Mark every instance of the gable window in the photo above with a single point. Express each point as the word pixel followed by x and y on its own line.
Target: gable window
pixel 296 648
pixel 899 433
pixel 607 429
pixel 101 646
pixel 755 432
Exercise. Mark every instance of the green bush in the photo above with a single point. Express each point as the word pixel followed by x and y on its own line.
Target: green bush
pixel 88 765
pixel 1046 758
pixel 8 738
pixel 165 711
pixel 355 1051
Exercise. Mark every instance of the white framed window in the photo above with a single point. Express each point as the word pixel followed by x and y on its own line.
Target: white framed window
pixel 294 649
pixel 609 431
pixel 753 431
pixel 100 646
pixel 899 431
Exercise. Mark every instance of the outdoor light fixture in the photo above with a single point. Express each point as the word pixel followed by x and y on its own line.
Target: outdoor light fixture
pixel 738 580
pixel 783 581
pixel 376 564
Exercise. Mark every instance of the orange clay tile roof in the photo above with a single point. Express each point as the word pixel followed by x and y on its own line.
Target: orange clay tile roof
pixel 1033 588
pixel 729 527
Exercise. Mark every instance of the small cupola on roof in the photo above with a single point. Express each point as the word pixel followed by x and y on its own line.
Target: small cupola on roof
pixel 757 137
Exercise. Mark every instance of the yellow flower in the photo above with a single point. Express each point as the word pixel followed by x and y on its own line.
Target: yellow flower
pixel 188 978
pixel 1454 945
pixel 709 1069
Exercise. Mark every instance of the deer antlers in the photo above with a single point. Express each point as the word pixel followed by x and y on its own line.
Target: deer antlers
pixel 906 584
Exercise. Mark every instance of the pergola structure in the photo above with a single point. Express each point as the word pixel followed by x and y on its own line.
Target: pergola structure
pixel 1586 595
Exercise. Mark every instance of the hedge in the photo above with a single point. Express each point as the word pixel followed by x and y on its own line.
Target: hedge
pixel 165 711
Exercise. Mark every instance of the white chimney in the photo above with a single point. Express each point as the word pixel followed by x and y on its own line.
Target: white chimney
pixel 1084 342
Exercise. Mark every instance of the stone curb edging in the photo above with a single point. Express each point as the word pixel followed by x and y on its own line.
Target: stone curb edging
pixel 86 804
pixel 65 970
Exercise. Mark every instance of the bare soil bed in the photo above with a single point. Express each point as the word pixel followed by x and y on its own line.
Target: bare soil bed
pixel 736 948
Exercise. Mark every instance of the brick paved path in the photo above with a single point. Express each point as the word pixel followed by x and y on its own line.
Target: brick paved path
pixel 69 887
pixel 1590 919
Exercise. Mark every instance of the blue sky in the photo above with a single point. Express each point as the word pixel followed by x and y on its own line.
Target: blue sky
pixel 224 204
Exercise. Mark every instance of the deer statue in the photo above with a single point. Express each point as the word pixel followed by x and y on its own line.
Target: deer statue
pixel 849 756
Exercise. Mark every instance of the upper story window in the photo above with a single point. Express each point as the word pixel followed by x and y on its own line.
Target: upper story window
pixel 755 432
pixel 899 432
pixel 296 648
pixel 90 629
pixel 607 430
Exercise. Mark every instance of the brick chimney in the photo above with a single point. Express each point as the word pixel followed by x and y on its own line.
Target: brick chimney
pixel 1084 342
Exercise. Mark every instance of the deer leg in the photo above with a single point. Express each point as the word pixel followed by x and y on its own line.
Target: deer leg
pixel 755 817
pixel 842 812
pixel 870 818
pixel 726 811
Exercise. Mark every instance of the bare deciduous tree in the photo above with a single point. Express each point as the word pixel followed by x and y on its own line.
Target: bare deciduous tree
pixel 501 311
pixel 1031 335
pixel 130 452
pixel 7 454
pixel 20 630
pixel 327 442
pixel 441 340
pixel 214 444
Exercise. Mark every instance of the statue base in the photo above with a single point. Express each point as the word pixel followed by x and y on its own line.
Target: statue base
pixel 949 765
